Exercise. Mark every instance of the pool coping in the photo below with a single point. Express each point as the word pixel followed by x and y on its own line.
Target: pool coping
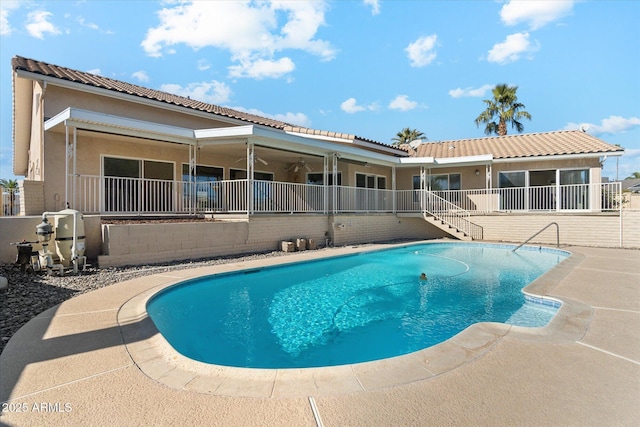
pixel 157 359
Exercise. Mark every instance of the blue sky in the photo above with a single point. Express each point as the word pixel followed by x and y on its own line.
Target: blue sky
pixel 366 67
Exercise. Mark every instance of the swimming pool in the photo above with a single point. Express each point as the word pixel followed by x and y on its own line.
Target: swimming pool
pixel 351 309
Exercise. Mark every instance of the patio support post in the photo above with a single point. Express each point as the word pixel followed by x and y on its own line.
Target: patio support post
pixel 334 171
pixel 423 187
pixel 325 182
pixel 66 165
pixel 557 190
pixel 75 168
pixel 192 179
pixel 250 154
pixel 393 188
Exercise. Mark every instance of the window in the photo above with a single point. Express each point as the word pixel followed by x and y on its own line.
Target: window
pixel 203 173
pixel 318 178
pixel 370 199
pixel 538 190
pixel 125 191
pixel 574 193
pixel 207 193
pixel 262 191
pixel 242 174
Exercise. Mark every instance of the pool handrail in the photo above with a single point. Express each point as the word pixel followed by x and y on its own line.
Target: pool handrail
pixel 545 227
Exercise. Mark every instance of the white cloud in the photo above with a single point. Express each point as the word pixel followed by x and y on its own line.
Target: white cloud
pixel 141 76
pixel 421 52
pixel 298 119
pixel 261 68
pixel 38 24
pixel 253 32
pixel 402 103
pixel 470 92
pixel 351 106
pixel 375 6
pixel 611 125
pixel 213 92
pixel 514 46
pixel 90 25
pixel 95 71
pixel 6 7
pixel 536 13
pixel 203 65
pixel 5 28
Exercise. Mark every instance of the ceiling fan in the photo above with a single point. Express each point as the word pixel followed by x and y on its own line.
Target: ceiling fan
pixel 299 165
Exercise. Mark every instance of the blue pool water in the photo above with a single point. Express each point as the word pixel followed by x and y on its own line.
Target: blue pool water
pixel 351 309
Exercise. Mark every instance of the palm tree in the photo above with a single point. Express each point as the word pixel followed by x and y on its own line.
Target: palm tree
pixel 407 135
pixel 505 107
pixel 11 187
pixel 635 175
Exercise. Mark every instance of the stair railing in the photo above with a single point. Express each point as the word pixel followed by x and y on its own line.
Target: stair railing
pixel 450 214
pixel 545 227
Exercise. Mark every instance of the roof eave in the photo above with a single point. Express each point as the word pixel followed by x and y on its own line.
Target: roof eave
pixel 127 97
pixel 556 157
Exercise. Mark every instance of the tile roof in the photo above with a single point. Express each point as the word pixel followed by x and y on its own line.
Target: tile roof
pixel 64 73
pixel 519 146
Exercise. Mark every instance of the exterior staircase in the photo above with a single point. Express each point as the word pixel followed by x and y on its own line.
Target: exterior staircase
pixel 449 229
pixel 449 217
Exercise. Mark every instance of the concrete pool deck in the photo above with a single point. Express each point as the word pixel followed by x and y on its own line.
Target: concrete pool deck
pixel 96 360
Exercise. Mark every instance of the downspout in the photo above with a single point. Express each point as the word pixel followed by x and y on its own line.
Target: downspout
pixel 75 173
pixel 44 91
pixel 66 165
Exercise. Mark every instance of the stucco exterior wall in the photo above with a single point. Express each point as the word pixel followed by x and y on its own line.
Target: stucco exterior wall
pixel 35 166
pixel 59 98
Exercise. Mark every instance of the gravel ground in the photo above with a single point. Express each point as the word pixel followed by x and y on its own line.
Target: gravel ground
pixel 29 294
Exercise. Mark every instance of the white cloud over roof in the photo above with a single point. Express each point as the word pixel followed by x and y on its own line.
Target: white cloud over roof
pixel 298 119
pixel 253 32
pixel 536 13
pixel 141 76
pixel 260 68
pixel 512 48
pixel 402 103
pixel 470 91
pixel 213 92
pixel 6 7
pixel 351 106
pixel 611 125
pixel 421 52
pixel 375 6
pixel 38 24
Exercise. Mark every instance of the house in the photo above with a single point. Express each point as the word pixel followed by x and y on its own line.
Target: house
pixel 132 150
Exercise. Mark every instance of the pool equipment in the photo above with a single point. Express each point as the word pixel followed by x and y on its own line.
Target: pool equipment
pixel 69 240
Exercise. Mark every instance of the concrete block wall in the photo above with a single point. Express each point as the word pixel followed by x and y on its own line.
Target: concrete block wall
pixel 601 230
pixel 352 229
pixel 118 245
pixel 130 244
pixel 631 229
pixel 31 197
